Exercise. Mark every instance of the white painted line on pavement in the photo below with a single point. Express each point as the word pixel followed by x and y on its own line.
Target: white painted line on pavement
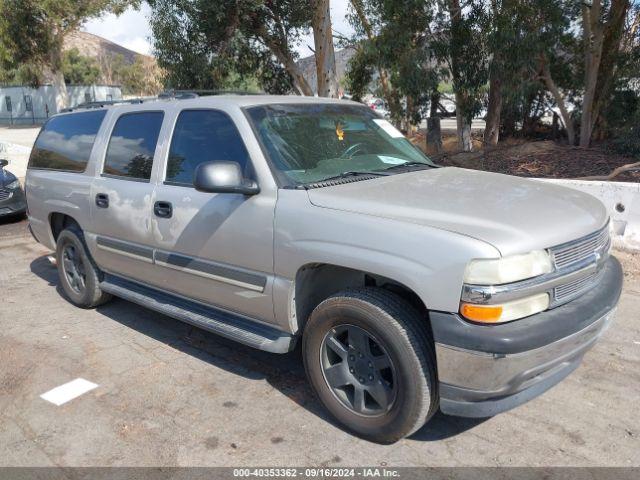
pixel 62 394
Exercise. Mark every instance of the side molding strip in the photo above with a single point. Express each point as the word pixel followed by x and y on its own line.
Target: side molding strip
pixel 124 248
pixel 214 271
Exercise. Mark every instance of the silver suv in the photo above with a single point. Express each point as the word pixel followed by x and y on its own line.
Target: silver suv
pixel 269 220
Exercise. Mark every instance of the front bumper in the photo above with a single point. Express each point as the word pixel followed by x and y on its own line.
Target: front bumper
pixel 487 369
pixel 13 203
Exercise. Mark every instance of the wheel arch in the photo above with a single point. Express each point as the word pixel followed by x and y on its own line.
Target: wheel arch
pixel 58 221
pixel 315 282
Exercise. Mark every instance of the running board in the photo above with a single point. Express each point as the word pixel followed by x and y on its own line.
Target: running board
pixel 235 327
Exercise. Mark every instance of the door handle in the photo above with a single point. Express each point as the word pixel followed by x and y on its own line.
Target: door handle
pixel 102 200
pixel 163 209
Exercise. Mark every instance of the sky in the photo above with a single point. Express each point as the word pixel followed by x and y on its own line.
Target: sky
pixel 131 29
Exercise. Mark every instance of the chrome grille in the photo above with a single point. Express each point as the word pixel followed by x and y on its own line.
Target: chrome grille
pixel 581 249
pixel 4 193
pixel 572 289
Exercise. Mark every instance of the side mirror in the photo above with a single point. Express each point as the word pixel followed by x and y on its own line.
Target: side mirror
pixel 223 177
pixel 3 163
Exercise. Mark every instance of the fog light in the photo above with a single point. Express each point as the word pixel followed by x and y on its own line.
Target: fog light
pixel 506 311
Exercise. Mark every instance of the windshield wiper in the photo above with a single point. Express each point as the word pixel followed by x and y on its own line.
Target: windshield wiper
pixel 408 165
pixel 353 173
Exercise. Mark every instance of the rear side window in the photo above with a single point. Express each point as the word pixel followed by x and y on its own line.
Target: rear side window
pixel 203 136
pixel 65 142
pixel 132 145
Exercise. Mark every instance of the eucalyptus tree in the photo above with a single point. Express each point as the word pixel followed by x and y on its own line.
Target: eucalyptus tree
pixel 208 44
pixel 461 44
pixel 324 52
pixel 32 34
pixel 392 44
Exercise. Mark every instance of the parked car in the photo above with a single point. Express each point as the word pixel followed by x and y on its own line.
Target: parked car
pixel 273 220
pixel 12 201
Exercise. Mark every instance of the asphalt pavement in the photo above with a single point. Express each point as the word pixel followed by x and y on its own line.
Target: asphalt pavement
pixel 172 395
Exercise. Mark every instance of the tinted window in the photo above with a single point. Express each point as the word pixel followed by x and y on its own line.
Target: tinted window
pixel 203 136
pixel 132 144
pixel 65 142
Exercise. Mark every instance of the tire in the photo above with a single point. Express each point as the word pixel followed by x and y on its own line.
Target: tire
pixel 79 276
pixel 400 398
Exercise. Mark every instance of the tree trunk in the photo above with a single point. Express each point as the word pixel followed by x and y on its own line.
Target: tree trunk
pixel 463 126
pixel 592 32
pixel 494 110
pixel 434 132
pixel 611 45
pixel 564 113
pixel 62 97
pixel 59 85
pixel 462 122
pixel 325 55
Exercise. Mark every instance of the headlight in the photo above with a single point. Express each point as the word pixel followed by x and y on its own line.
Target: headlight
pixel 497 271
pixel 507 311
pixel 13 185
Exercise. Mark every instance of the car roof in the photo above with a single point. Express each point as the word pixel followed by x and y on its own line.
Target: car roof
pixel 213 101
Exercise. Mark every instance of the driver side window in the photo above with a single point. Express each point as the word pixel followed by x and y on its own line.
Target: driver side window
pixel 203 136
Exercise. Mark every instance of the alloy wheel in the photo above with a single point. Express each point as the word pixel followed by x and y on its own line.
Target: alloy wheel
pixel 73 268
pixel 358 370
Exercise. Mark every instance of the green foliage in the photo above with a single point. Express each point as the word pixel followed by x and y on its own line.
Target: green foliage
pixel 622 116
pixel 400 47
pixel 462 46
pixel 520 35
pixel 227 44
pixel 78 69
pixel 32 31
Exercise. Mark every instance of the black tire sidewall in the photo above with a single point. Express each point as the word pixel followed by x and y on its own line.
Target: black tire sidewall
pixel 84 300
pixel 401 418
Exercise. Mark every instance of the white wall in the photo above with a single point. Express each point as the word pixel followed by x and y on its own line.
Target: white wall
pixel 622 200
pixel 44 101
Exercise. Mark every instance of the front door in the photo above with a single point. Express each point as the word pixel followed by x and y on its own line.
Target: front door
pixel 214 248
pixel 122 197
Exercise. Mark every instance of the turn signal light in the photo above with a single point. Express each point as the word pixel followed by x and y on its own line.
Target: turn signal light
pixel 481 313
pixel 507 311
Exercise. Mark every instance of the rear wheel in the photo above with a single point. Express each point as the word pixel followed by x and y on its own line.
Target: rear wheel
pixel 369 357
pixel 79 275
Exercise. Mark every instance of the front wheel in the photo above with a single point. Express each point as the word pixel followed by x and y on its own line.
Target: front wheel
pixel 369 357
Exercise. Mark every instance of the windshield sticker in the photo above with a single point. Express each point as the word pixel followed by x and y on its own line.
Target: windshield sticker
pixel 339 131
pixel 392 131
pixel 391 160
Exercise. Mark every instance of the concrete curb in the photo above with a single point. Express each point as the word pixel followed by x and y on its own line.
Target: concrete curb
pixel 622 200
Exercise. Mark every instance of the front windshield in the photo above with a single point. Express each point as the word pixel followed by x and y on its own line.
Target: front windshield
pixel 311 142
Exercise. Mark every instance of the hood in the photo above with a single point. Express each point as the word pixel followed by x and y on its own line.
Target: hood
pixel 513 214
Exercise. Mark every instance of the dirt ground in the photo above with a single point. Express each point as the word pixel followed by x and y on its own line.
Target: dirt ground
pixel 525 158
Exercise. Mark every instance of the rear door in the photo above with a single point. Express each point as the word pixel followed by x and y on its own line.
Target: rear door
pixel 214 248
pixel 122 195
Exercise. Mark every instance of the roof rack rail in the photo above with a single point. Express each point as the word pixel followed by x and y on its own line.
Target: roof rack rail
pixel 195 93
pixel 106 103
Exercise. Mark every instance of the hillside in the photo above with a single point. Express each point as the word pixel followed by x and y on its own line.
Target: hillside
pixel 112 58
pixel 308 66
pixel 97 47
